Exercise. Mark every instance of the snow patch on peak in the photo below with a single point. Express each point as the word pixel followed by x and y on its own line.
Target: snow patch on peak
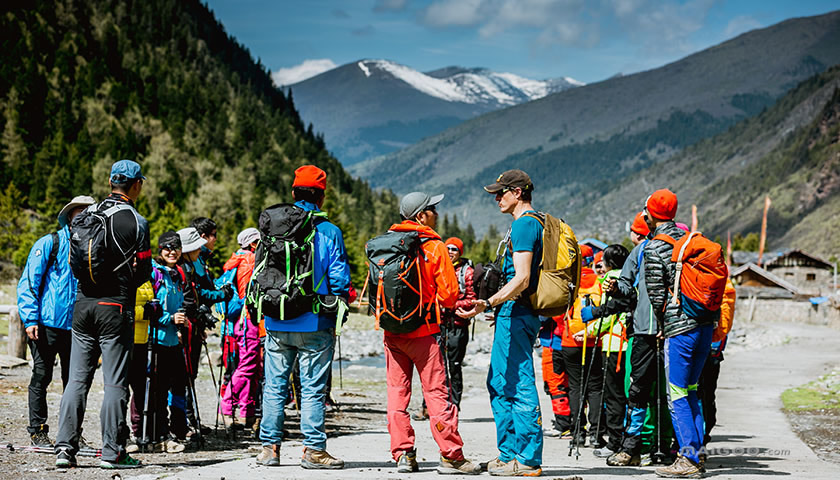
pixel 364 68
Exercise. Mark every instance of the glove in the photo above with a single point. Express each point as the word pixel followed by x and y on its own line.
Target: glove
pixel 228 291
pixel 587 314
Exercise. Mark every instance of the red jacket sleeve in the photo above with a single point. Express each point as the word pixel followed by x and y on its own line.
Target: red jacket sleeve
pixel 466 297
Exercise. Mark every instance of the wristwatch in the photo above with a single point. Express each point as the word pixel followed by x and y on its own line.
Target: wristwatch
pixel 487 304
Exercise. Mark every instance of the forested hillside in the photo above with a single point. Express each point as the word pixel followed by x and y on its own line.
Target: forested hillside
pixel 83 84
pixel 790 152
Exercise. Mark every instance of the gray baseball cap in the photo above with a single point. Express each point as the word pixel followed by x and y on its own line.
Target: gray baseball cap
pixel 415 202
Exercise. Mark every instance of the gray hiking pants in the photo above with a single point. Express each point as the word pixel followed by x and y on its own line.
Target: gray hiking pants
pixel 101 326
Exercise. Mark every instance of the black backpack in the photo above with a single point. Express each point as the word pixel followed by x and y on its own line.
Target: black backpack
pixel 395 279
pixel 282 285
pixel 487 277
pixel 91 258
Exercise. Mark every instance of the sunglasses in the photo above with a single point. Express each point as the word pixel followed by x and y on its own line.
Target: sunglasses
pixel 453 249
pixel 431 208
pixel 169 247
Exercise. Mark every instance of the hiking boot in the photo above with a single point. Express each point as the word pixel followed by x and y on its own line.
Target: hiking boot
pixel 514 469
pixel 623 459
pixel 457 467
pixel 270 456
pixel 173 445
pixel 603 452
pixel 566 434
pixel 227 421
pixel 124 461
pixel 423 414
pixel 551 432
pixel 64 459
pixel 494 464
pixel 407 462
pixel 320 459
pixel 40 439
pixel 597 442
pixel 681 468
pixel 131 446
pixel 646 460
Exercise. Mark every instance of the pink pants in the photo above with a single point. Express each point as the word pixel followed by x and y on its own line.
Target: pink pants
pixel 245 381
pixel 401 356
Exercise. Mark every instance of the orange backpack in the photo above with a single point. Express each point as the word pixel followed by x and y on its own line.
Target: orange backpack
pixel 701 274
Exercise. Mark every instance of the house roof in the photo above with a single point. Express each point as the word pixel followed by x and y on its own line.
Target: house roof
pixel 776 259
pixel 766 275
pixel 596 244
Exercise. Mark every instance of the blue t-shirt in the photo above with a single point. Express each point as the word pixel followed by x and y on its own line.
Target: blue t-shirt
pixel 525 236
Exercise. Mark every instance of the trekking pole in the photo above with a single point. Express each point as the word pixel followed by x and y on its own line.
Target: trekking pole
pixel 340 368
pixel 149 420
pixel 219 388
pixel 585 373
pixel 603 384
pixel 659 454
pixel 210 364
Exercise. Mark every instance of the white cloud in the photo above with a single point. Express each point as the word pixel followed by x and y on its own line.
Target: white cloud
pixel 739 25
pixel 450 13
pixel 299 73
pixel 661 26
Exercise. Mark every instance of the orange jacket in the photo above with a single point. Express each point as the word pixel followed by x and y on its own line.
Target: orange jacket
pixel 589 285
pixel 437 276
pixel 243 261
pixel 727 313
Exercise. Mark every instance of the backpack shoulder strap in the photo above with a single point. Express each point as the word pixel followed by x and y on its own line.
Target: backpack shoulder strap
pixel 665 238
pixel 639 263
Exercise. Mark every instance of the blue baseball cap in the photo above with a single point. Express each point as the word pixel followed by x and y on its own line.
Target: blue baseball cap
pixel 128 169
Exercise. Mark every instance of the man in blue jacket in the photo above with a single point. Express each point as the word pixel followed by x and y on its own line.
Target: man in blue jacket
pixel 46 293
pixel 310 338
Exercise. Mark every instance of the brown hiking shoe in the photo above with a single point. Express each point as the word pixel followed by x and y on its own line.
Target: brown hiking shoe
pixel 421 415
pixel 457 467
pixel 270 456
pixel 681 468
pixel 319 459
pixel 624 459
pixel 513 469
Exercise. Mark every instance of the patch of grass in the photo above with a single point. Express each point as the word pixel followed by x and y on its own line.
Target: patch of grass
pixel 822 393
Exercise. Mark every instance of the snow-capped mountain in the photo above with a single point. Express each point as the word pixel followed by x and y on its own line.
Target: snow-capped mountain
pixel 475 85
pixel 372 107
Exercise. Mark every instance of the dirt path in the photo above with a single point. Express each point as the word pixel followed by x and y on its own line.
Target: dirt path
pixel 753 438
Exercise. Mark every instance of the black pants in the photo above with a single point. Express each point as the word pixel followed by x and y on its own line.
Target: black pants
pixel 171 380
pixel 453 341
pixel 615 402
pixel 558 364
pixel 643 388
pixel 101 327
pixel 573 357
pixel 706 391
pixel 137 382
pixel 51 342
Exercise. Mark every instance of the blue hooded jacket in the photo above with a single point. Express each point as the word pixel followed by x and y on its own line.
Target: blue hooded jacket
pixel 169 290
pixel 55 308
pixel 330 263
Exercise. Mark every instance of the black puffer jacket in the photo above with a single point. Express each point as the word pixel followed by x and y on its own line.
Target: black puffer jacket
pixel 659 277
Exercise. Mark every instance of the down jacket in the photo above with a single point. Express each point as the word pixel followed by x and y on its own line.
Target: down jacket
pixel 659 277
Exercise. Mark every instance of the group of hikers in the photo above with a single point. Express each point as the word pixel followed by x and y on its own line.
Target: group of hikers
pixel 622 333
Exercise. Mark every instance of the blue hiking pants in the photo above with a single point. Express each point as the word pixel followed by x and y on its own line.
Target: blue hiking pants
pixel 685 355
pixel 513 390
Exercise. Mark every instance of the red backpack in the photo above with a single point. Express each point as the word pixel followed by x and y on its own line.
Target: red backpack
pixel 700 279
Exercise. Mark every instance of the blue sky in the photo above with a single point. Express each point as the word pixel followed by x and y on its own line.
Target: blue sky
pixel 588 40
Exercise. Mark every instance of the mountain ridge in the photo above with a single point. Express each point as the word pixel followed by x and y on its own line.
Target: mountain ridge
pixel 362 107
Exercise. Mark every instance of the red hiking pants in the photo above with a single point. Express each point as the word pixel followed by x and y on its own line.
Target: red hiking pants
pixel 402 355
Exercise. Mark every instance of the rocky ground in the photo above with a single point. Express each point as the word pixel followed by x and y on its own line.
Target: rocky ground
pixel 358 388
